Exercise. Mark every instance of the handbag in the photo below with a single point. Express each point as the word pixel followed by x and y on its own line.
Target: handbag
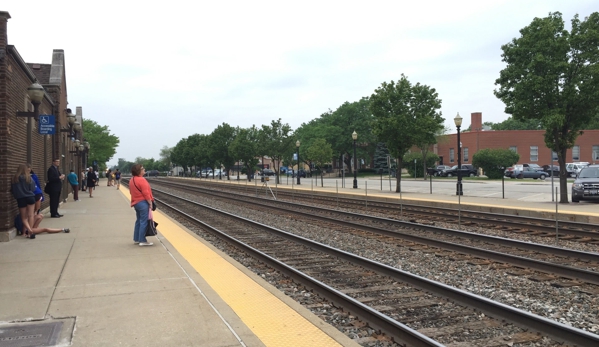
pixel 47 188
pixel 151 228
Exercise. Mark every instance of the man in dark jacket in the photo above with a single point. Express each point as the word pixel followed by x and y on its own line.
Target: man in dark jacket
pixel 54 187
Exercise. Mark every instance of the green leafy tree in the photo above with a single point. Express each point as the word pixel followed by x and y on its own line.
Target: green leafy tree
pixel 244 148
pixel 220 141
pixel 413 162
pixel 165 157
pixel 320 153
pixel 380 157
pixel 404 115
pixel 493 161
pixel 276 141
pixel 552 75
pixel 102 143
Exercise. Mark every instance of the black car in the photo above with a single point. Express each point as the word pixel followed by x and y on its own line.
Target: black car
pixel 586 185
pixel 551 170
pixel 466 171
pixel 268 172
pixel 152 173
pixel 300 172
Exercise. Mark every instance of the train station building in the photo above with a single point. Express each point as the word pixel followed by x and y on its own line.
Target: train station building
pixel 29 93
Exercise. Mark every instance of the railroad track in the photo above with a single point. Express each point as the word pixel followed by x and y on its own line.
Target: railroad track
pixel 381 295
pixel 561 267
pixel 540 227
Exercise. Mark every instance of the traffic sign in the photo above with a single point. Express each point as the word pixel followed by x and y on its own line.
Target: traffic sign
pixel 47 124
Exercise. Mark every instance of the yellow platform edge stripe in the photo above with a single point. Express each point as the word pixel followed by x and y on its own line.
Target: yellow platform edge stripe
pixel 270 319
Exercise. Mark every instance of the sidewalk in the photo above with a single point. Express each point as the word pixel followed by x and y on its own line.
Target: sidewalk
pixel 95 287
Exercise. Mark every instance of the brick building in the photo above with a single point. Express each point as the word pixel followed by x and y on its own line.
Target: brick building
pixel 15 77
pixel 529 144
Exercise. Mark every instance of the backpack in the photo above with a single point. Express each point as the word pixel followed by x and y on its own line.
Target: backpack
pixel 19 224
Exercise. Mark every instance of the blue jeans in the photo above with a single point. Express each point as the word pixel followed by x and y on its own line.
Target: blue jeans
pixel 142 209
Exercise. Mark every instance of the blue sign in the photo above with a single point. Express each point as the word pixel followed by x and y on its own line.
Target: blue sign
pixel 47 124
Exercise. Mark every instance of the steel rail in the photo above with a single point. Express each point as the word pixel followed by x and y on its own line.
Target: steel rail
pixel 514 221
pixel 558 331
pixel 378 320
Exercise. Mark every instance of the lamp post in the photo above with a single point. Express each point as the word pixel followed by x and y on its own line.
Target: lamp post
pixel 36 94
pixel 354 136
pixel 458 124
pixel 297 144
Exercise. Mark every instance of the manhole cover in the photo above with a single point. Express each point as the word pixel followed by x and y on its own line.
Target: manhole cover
pixel 30 334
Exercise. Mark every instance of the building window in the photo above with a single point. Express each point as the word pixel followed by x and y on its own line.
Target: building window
pixel 465 154
pixel 514 149
pixel 534 153
pixel 576 153
pixel 451 155
pixel 595 152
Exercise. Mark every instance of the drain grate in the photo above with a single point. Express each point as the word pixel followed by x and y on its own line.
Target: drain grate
pixel 30 334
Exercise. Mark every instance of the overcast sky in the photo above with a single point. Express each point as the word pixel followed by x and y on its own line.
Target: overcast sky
pixel 157 72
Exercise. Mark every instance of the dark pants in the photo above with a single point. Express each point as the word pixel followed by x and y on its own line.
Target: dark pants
pixel 54 202
pixel 75 191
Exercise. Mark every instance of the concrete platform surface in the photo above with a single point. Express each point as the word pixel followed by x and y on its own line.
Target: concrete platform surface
pixel 104 290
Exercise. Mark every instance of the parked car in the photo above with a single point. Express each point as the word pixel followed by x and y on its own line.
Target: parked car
pixel 586 184
pixel 436 171
pixel 551 170
pixel 575 168
pixel 204 173
pixel 529 172
pixel 268 172
pixel 218 173
pixel 300 172
pixel 467 170
pixel 514 171
pixel 152 173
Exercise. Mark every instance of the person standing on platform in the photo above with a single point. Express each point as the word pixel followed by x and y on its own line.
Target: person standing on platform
pixel 91 181
pixel 23 188
pixel 117 178
pixel 54 186
pixel 108 174
pixel 74 182
pixel 39 194
pixel 141 200
pixel 84 180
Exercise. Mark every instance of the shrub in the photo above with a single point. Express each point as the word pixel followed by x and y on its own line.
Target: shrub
pixel 494 161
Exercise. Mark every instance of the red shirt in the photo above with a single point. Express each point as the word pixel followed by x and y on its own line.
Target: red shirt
pixel 140 190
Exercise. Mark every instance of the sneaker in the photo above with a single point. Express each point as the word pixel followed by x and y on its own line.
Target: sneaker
pixel 146 243
pixel 66 230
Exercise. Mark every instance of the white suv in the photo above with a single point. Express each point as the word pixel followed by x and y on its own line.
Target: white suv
pixel 574 168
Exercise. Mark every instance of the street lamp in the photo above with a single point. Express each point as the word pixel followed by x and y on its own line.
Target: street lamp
pixel 354 136
pixel 458 123
pixel 36 94
pixel 297 144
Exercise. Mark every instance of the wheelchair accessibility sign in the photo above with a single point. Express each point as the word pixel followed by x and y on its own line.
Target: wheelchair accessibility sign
pixel 47 124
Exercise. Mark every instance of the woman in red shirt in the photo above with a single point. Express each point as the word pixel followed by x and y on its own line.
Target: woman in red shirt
pixel 141 200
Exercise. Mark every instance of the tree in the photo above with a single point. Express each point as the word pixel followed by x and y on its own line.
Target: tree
pixel 276 141
pixel 320 153
pixel 165 157
pixel 220 141
pixel 102 144
pixel 552 75
pixel 244 148
pixel 494 161
pixel 404 115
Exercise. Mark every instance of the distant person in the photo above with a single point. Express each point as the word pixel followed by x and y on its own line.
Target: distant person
pixel 97 178
pixel 108 180
pixel 74 182
pixel 141 200
pixel 117 178
pixel 54 188
pixel 39 194
pixel 23 190
pixel 84 180
pixel 92 179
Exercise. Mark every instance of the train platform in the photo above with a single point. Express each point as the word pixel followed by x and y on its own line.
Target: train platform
pixel 484 196
pixel 95 287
